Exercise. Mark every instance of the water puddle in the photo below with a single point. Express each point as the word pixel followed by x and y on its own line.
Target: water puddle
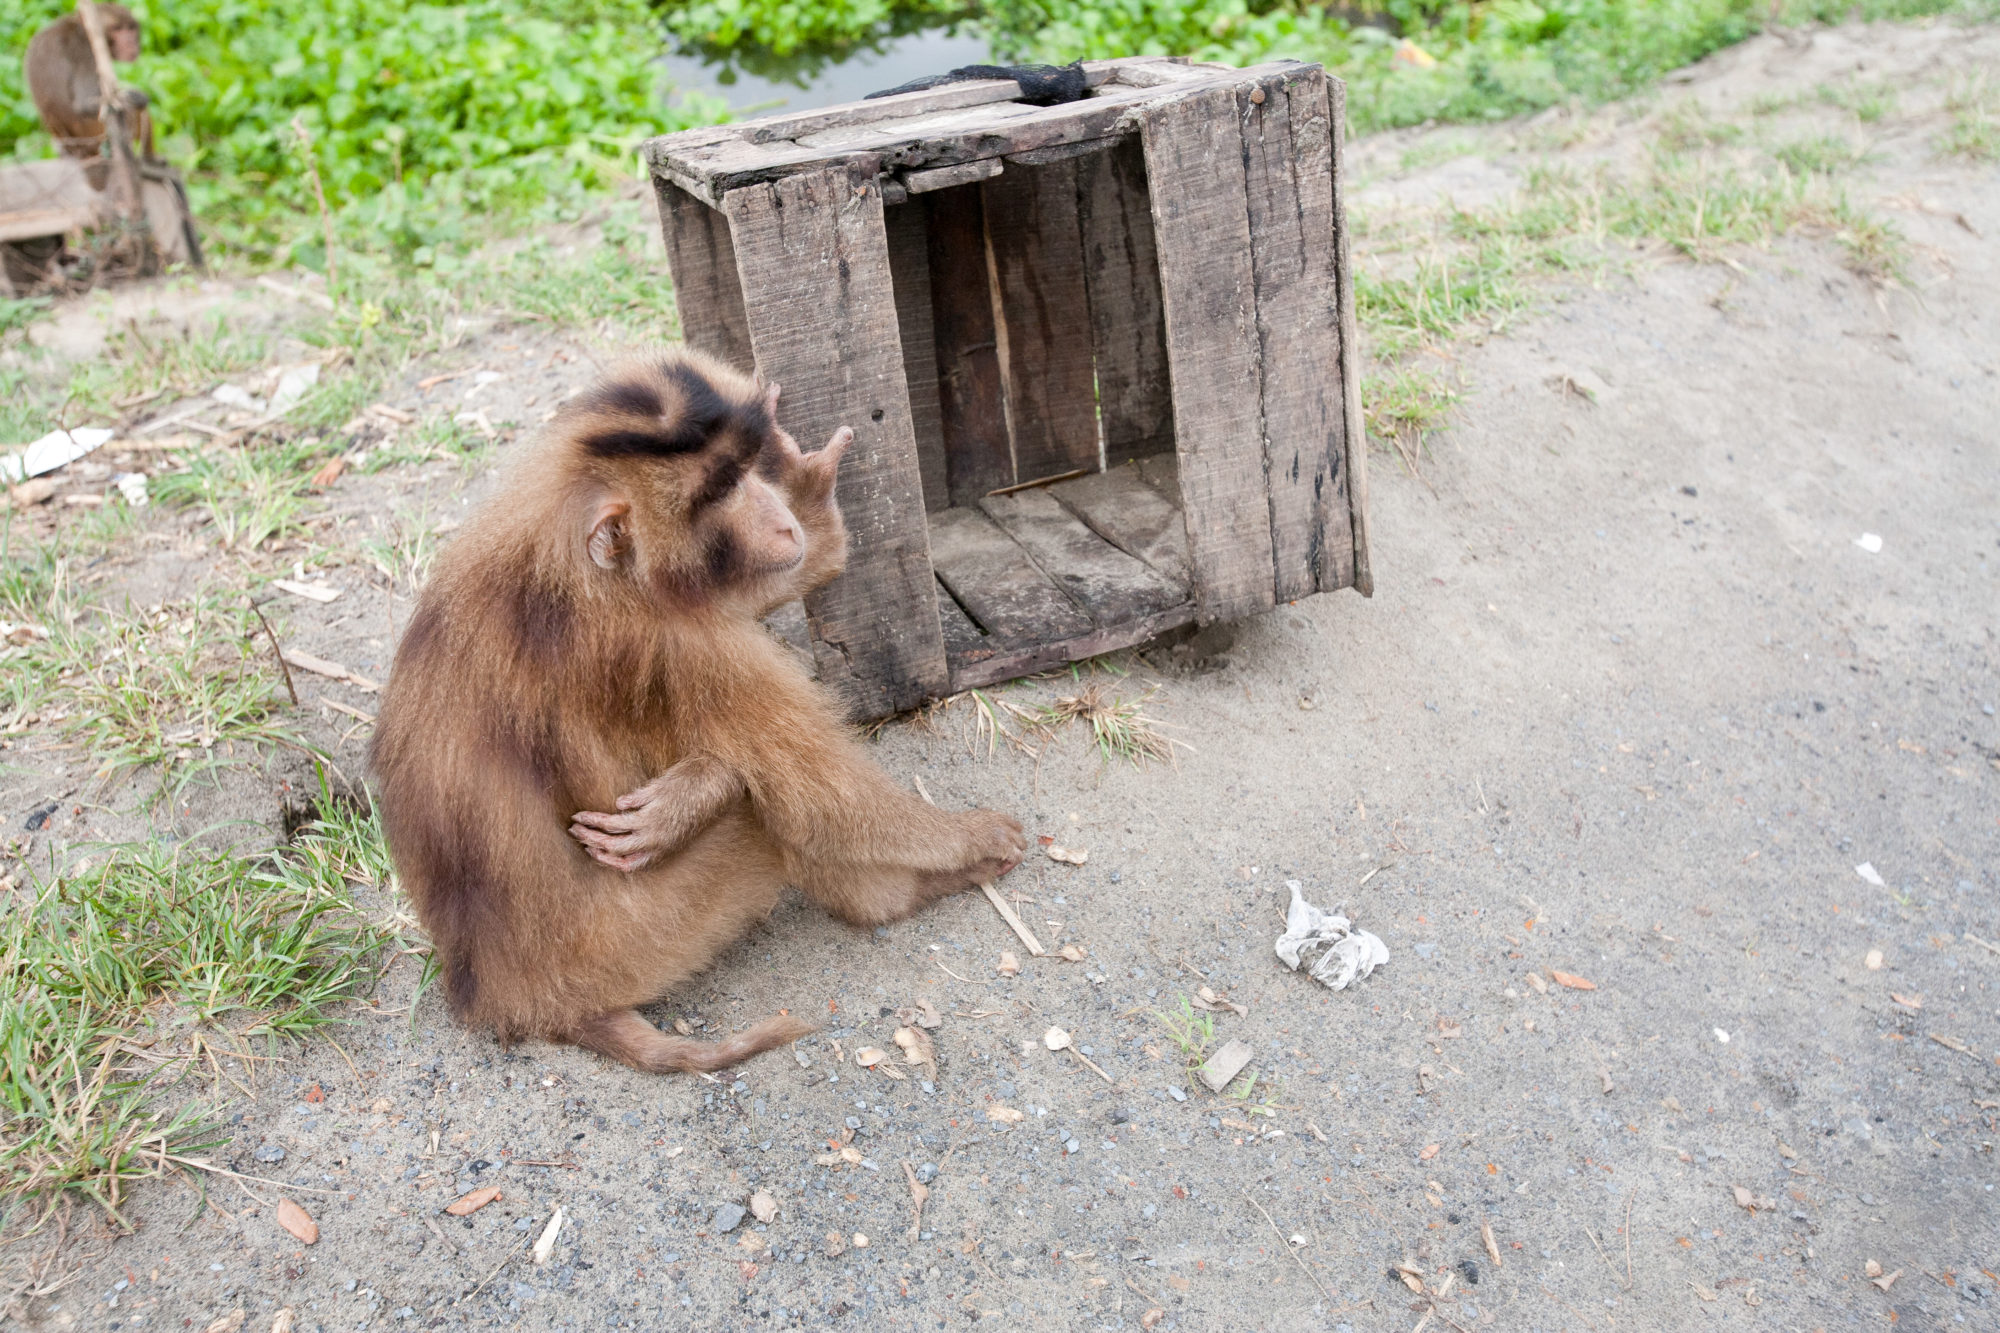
pixel 757 83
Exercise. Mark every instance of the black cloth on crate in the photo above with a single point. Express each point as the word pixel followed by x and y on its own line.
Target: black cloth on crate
pixel 1041 85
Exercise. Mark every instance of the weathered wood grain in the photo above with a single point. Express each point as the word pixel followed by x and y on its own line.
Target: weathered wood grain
pixel 1105 581
pixel 971 403
pixel 996 582
pixel 998 661
pixel 908 226
pixel 1288 173
pixel 947 97
pixel 1128 329
pixel 962 638
pixel 1194 167
pixel 1132 516
pixel 707 291
pixel 1350 351
pixel 889 133
pixel 943 178
pixel 1036 248
pixel 814 260
pixel 1163 473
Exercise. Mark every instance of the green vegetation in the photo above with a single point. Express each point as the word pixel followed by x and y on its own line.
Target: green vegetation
pixel 121 979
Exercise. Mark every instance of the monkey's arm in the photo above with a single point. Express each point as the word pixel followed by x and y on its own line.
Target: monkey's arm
pixel 817 792
pixel 661 816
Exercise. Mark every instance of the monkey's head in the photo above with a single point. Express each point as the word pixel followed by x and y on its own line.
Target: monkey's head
pixel 121 31
pixel 683 462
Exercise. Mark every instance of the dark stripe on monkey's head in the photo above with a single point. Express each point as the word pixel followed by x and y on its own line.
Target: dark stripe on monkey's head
pixel 661 429
pixel 721 481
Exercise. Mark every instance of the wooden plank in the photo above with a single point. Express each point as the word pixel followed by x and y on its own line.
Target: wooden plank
pixel 1036 250
pixel 961 636
pixel 996 582
pixel 996 661
pixel 1132 516
pixel 707 290
pixel 1194 166
pixel 813 255
pixel 1356 434
pixel 971 407
pixel 910 266
pixel 1111 585
pixel 888 133
pixel 965 173
pixel 1163 473
pixel 1128 330
pixel 947 97
pixel 1288 177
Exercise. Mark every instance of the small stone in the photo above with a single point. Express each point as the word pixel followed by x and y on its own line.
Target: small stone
pixel 270 1152
pixel 763 1206
pixel 727 1218
pixel 1177 1094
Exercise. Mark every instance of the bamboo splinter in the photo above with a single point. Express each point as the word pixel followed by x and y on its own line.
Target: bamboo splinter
pixel 1007 914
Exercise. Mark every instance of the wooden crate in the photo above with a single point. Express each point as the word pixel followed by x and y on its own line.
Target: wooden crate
pixel 1147 288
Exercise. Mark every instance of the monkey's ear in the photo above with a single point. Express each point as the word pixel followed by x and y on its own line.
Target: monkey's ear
pixel 610 537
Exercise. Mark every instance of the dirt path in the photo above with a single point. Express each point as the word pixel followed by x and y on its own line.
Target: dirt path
pixel 1631 703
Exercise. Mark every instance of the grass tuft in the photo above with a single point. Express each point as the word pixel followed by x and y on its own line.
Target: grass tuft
pixel 1118 727
pixel 124 978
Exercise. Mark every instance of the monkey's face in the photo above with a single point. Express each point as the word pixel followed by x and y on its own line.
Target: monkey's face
pixel 124 43
pixel 690 507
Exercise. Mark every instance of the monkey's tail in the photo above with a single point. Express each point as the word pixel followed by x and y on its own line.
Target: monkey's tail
pixel 623 1035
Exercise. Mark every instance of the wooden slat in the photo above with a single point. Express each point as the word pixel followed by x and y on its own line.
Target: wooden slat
pixel 1289 169
pixel 707 290
pixel 814 260
pixel 1194 165
pixel 961 637
pixel 997 583
pixel 997 661
pixel 1132 516
pixel 947 97
pixel 1350 349
pixel 910 264
pixel 943 178
pixel 1128 331
pixel 972 410
pixel 888 133
pixel 1037 258
pixel 1106 582
pixel 1163 473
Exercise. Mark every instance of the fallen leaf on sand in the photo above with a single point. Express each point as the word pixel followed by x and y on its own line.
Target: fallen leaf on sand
pixel 1873 962
pixel 850 1155
pixel 870 1056
pixel 922 1014
pixel 752 1244
pixel 545 1246
pixel 1908 1001
pixel 1412 1277
pixel 1571 980
pixel 1702 1291
pixel 1074 953
pixel 1430 1151
pixel 1887 1280
pixel 1177 1282
pixel 1069 856
pixel 1010 966
pixel 1005 1115
pixel 329 472
pixel 1055 1039
pixel 1788 1152
pixel 1749 1202
pixel 315 1094
pixel 860 1241
pixel 465 1205
pixel 917 1047
pixel 1535 980
pixel 296 1220
pixel 228 1323
pixel 1151 1317
pixel 282 1322
pixel 836 1245
pixel 1205 998
pixel 1871 1269
pixel 763 1206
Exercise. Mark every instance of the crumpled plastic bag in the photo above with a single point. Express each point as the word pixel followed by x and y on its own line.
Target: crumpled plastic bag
pixel 1344 952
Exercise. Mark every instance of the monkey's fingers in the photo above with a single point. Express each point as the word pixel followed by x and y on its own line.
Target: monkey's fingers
pixel 625 822
pixel 615 846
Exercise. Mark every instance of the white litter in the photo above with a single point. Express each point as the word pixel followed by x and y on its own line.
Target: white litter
pixel 1722 1036
pixel 1346 954
pixel 131 485
pixel 293 382
pixel 51 452
pixel 1868 872
pixel 1869 542
pixel 235 395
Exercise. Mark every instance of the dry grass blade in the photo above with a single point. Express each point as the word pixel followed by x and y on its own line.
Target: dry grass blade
pixel 1118 727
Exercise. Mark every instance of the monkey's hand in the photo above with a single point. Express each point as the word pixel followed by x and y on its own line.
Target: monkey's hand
pixel 994 844
pixel 809 478
pixel 657 819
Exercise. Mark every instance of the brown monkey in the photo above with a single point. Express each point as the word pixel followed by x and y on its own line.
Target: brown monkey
pixel 597 769
pixel 62 78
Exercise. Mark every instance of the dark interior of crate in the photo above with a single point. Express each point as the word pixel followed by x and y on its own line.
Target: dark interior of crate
pixel 1034 347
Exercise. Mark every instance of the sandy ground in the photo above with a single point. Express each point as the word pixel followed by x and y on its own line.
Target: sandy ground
pixel 1630 703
